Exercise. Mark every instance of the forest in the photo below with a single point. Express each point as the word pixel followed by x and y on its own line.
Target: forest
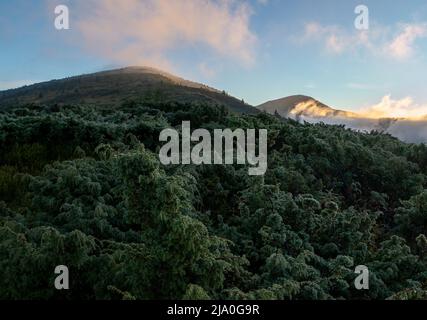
pixel 83 186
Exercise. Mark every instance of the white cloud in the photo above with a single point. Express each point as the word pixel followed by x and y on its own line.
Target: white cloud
pixel 333 38
pixel 391 108
pixel 335 44
pixel 207 71
pixel 144 32
pixel 397 42
pixel 402 46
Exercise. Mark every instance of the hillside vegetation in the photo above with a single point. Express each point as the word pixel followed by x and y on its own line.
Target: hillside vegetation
pixel 83 187
pixel 113 87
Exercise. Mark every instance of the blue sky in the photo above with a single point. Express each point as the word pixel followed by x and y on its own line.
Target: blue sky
pixel 256 50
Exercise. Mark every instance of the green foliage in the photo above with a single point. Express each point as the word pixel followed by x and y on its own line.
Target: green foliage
pixel 84 187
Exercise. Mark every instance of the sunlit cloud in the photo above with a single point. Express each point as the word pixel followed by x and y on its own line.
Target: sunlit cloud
pixel 402 46
pixel 145 32
pixel 206 71
pixel 397 42
pixel 332 38
pixel 391 108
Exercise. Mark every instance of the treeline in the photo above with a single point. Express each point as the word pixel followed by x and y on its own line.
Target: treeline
pixel 83 187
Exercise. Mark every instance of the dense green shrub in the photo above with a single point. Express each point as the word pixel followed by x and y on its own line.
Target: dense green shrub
pixel 84 187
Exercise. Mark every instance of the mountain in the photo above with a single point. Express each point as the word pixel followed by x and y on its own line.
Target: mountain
pixel 300 105
pixel 116 86
pixel 113 87
pixel 306 108
pixel 84 187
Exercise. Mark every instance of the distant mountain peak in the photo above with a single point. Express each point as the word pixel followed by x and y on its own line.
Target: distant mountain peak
pixel 112 87
pixel 146 70
pixel 301 105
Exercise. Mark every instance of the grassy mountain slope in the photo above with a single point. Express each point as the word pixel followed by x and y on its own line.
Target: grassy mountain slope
pixel 113 87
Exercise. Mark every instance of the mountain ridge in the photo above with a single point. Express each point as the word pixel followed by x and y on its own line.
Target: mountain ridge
pixel 302 105
pixel 112 87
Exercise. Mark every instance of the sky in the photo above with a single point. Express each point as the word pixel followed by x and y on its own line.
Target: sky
pixel 257 50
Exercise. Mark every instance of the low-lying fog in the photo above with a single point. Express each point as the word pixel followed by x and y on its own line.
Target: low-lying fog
pixel 413 131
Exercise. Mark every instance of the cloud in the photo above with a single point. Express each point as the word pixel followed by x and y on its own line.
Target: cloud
pixel 412 131
pixel 397 42
pixel 334 39
pixel 335 43
pixel 402 46
pixel 390 108
pixel 329 36
pixel 401 118
pixel 206 71
pixel 144 32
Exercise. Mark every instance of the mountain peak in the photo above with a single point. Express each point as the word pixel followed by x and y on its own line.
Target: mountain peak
pixel 301 105
pixel 112 87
